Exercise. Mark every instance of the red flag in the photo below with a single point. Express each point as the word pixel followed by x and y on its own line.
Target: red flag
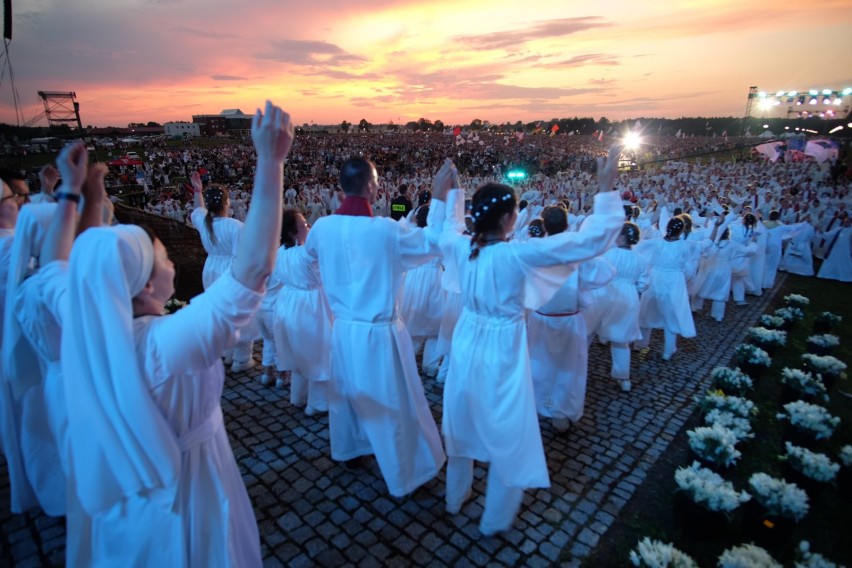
pixel 600 136
pixel 555 128
pixel 456 130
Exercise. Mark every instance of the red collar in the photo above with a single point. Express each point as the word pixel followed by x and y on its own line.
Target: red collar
pixel 355 206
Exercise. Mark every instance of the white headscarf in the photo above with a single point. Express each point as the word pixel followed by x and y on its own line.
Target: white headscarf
pixel 120 441
pixel 21 367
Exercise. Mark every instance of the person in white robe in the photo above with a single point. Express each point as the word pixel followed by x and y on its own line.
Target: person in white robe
pixel 220 235
pixel 557 337
pixel 798 256
pixel 302 318
pixel 620 318
pixel 489 403
pixel 152 459
pixel 777 233
pixel 838 259
pixel 376 400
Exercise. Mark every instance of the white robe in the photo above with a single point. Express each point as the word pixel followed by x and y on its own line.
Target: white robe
pixel 838 263
pixel 376 399
pixel 489 403
pixel 211 521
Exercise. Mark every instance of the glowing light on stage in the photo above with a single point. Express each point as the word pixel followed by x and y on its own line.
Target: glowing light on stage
pixel 813 101
pixel 766 104
pixel 779 94
pixel 792 94
pixel 837 102
pixel 516 175
pixel 847 91
pixel 826 91
pixel 632 140
pixel 813 92
pixel 836 129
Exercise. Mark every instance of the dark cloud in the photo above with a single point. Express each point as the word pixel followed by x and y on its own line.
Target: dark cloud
pixel 540 30
pixel 303 52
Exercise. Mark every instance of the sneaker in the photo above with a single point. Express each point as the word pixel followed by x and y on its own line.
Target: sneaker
pixel 264 379
pixel 240 366
pixel 625 385
pixel 279 384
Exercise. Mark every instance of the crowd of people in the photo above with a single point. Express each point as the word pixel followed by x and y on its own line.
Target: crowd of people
pixel 347 256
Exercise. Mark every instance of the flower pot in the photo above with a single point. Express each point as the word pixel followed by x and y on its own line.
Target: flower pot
pixel 769 531
pixel 697 521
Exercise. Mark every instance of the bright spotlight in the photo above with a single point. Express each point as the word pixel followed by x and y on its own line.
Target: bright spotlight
pixel 765 104
pixel 836 129
pixel 847 91
pixel 826 91
pixel 813 92
pixel 812 101
pixel 516 174
pixel 632 140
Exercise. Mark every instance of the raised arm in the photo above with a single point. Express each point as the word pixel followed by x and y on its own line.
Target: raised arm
pixel 197 190
pixel 272 133
pixel 94 196
pixel 60 236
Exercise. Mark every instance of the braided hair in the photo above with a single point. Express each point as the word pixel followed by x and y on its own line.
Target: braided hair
pixel 749 222
pixel 490 202
pixel 289 226
pixel 631 233
pixel 214 200
pixel 674 227
pixel 687 224
pixel 628 211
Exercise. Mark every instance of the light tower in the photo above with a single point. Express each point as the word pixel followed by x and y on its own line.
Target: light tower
pixel 61 108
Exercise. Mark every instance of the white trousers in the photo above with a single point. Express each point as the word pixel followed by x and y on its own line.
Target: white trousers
pixel 501 502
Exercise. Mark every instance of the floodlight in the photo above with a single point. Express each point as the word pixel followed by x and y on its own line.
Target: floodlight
pixel 813 92
pixel 762 94
pixel 813 101
pixel 779 94
pixel 847 91
pixel 836 129
pixel 826 91
pixel 632 140
pixel 516 174
pixel 838 102
pixel 765 104
pixel 792 94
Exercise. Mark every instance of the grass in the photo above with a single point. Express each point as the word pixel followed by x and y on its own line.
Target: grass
pixel 651 511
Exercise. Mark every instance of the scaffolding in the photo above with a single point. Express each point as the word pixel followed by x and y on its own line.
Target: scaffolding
pixel 61 108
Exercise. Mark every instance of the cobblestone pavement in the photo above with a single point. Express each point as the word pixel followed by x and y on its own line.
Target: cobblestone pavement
pixel 312 511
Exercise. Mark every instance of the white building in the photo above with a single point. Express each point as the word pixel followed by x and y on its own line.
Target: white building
pixel 182 129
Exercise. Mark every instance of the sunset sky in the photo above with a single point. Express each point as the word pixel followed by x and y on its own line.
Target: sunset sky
pixel 331 60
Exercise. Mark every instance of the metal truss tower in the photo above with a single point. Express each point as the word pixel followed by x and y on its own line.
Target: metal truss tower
pixel 61 108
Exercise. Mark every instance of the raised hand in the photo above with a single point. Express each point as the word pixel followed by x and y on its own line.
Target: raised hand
pixel 195 181
pixel 72 163
pixel 272 133
pixel 94 188
pixel 608 168
pixel 444 180
pixel 48 176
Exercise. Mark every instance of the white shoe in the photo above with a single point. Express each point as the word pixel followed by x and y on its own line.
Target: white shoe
pixel 625 385
pixel 228 360
pixel 240 366
pixel 279 383
pixel 264 379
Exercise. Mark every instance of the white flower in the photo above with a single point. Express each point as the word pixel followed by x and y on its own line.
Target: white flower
pixel 753 355
pixel 770 321
pixel 846 456
pixel 655 554
pixel 824 364
pixel 803 382
pixel 709 489
pixel 810 464
pixel 737 405
pixel 732 379
pixel 808 559
pixel 779 497
pixel 768 336
pixel 796 300
pixel 811 418
pixel 715 444
pixel 825 340
pixel 790 313
pixel 829 318
pixel 741 427
pixel 747 556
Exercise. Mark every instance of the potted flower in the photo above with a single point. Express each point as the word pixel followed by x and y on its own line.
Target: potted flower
pixel 655 554
pixel 714 445
pixel 747 556
pixel 705 501
pixel 775 508
pixel 796 301
pixel 771 322
pixel 752 359
pixel 741 427
pixel 809 421
pixel 800 384
pixel 807 559
pixel 845 474
pixel 823 344
pixel 732 381
pixel 809 469
pixel 828 368
pixel 825 321
pixel 767 339
pixel 790 315
pixel 739 406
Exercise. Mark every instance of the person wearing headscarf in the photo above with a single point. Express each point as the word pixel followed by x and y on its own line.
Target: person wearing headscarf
pixel 489 402
pixel 151 457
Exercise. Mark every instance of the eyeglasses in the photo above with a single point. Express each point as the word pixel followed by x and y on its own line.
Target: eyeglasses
pixel 10 196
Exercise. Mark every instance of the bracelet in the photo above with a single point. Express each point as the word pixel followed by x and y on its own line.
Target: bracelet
pixel 65 195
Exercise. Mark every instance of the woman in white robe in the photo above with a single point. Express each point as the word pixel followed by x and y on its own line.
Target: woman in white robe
pixel 665 304
pixel 151 456
pixel 798 256
pixel 302 318
pixel 838 261
pixel 489 403
pixel 727 267
pixel 620 318
pixel 220 235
